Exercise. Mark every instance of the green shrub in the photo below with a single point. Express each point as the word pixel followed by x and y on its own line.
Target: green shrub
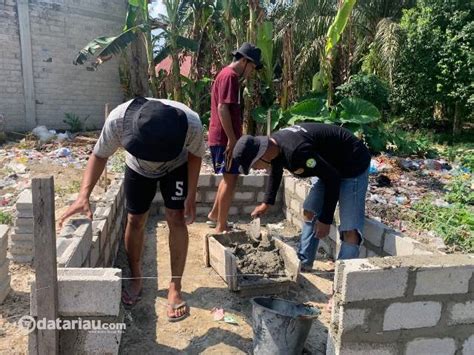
pixel 368 87
pixel 75 123
pixel 6 218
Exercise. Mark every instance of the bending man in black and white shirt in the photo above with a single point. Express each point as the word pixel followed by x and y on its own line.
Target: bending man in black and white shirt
pixel 164 143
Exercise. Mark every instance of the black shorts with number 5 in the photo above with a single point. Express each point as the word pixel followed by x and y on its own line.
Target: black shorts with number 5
pixel 140 190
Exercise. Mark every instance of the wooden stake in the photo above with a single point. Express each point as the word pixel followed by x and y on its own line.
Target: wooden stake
pixel 44 228
pixel 105 169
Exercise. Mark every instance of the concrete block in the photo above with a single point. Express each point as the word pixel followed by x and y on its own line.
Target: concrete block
pixel 351 319
pixel 16 237
pixel 443 281
pixel 76 251
pixel 100 228
pixel 397 244
pixel 3 269
pixel 25 214
pixel 204 181
pixel 21 259
pixel 289 184
pixel 468 346
pixel 21 247
pixel 217 180
pixel 99 343
pixel 362 252
pixel 411 315
pixel 25 201
pixel 373 231
pixel 362 281
pixel 371 253
pixel 23 230
pixel 432 346
pixel 461 313
pixel 4 288
pixel 254 180
pixel 367 348
pixel 260 196
pixel 95 251
pixel 333 233
pixel 295 205
pixel 210 196
pixel 301 189
pixel 244 196
pixel 26 223
pixel 86 292
pixel 248 209
pixel 233 211
pixel 202 211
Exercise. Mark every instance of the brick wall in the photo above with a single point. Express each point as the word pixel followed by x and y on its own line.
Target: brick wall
pixel 379 239
pixel 403 305
pixel 59 29
pixel 249 193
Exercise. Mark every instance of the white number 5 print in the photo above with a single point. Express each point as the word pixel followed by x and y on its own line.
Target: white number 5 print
pixel 179 188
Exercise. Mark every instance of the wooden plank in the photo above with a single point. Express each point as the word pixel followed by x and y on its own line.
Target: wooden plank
pixel 290 258
pixel 231 270
pixel 217 257
pixel 44 228
pixel 106 114
pixel 205 251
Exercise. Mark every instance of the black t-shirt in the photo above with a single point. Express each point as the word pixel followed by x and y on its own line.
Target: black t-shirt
pixel 313 149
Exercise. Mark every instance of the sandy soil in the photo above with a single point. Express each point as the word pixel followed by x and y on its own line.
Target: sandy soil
pixel 148 330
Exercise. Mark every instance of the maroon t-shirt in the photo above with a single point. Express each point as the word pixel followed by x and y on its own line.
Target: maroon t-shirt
pixel 225 90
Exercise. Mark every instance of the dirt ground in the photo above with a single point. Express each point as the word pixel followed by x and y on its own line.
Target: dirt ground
pixel 148 330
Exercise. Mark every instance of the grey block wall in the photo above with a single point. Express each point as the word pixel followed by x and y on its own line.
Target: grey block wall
pixel 58 30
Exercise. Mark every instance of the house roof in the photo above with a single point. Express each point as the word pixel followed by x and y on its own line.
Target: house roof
pixel 185 65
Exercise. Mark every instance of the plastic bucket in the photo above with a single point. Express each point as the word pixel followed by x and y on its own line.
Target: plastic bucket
pixel 280 326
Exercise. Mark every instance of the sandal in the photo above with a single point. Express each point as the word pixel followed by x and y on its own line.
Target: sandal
pixel 130 299
pixel 175 307
pixel 213 224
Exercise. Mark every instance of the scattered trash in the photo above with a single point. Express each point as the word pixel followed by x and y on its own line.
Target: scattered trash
pixel 441 203
pixel 383 181
pixel 409 165
pixel 44 134
pixel 400 200
pixel 378 199
pixel 218 313
pixel 276 226
pixel 17 167
pixel 61 137
pixel 230 320
pixel 62 152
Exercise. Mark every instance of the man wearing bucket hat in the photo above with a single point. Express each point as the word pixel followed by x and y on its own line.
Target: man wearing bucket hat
pixel 225 127
pixel 340 163
pixel 164 144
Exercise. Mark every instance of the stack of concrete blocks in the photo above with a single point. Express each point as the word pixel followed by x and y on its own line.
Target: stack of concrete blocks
pixel 89 294
pixel 21 246
pixel 403 305
pixel 82 243
pixel 4 275
pixel 250 192
pixel 108 226
pixel 379 239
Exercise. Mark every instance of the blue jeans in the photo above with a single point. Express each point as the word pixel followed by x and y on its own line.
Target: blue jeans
pixel 351 214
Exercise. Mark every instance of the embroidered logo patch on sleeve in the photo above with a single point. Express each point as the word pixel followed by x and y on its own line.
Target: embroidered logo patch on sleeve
pixel 311 163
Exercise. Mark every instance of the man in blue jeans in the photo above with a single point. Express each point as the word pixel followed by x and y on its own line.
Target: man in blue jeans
pixel 340 163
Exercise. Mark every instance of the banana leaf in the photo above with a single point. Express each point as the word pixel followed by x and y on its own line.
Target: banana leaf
pixel 337 27
pixel 356 110
pixel 107 46
pixel 187 43
pixel 161 55
pixel 265 43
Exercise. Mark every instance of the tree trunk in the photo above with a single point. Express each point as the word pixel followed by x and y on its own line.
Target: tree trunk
pixel 457 121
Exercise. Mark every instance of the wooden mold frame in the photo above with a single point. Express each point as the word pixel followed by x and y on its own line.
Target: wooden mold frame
pixel 221 259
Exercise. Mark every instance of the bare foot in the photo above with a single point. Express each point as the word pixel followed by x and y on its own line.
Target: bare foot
pixel 225 229
pixel 330 304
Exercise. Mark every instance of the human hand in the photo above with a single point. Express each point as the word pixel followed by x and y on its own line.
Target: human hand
pixel 321 230
pixel 260 210
pixel 190 210
pixel 81 205
pixel 228 153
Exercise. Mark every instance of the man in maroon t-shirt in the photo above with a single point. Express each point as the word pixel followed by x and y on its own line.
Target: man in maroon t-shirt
pixel 225 127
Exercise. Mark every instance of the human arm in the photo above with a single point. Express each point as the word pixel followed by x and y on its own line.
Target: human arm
pixel 194 167
pixel 95 167
pixel 271 189
pixel 226 121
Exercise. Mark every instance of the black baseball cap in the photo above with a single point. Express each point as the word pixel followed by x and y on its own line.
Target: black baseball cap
pixel 154 131
pixel 248 150
pixel 250 52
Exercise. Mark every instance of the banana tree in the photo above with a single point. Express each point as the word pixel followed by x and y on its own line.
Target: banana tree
pixel 138 27
pixel 324 76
